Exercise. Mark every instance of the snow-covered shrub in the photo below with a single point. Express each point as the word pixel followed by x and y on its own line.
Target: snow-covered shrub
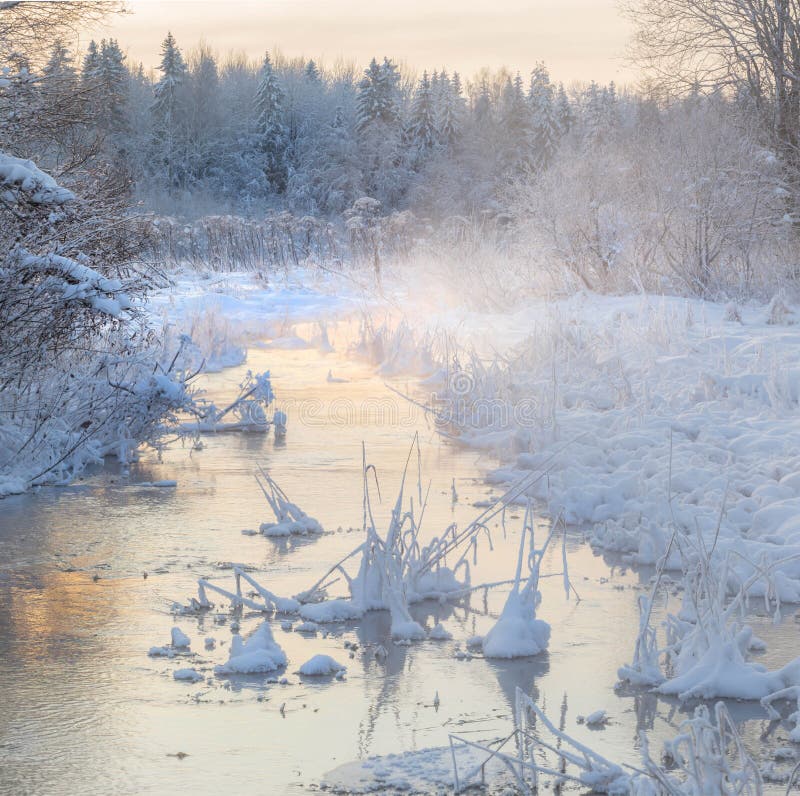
pixel 81 374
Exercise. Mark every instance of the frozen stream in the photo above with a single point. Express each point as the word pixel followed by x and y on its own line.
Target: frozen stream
pixel 83 709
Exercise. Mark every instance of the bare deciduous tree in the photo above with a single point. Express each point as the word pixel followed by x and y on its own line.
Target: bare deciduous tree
pixel 32 27
pixel 729 45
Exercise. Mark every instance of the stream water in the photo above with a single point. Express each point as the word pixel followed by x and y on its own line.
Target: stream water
pixel 83 709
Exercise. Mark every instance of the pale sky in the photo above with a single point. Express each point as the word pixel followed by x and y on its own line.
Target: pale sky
pixel 577 39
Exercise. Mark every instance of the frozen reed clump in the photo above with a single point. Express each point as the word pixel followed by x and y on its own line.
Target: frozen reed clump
pixel 707 642
pixel 289 517
pixel 706 757
pixel 247 412
pixel 394 570
pixel 518 633
pixel 269 601
pixel 397 570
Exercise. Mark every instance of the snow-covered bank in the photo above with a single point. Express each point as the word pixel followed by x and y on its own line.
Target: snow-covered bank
pixel 646 412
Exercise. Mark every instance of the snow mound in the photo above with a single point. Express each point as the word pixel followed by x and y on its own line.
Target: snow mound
pixel 421 771
pixel 17 174
pixel 301 527
pixel 258 655
pixel 408 631
pixel 189 675
pixel 179 639
pixel 517 634
pixel 331 611
pixel 440 633
pixel 321 665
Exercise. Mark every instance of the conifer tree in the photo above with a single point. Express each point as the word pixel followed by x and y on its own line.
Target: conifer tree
pixel 168 113
pixel 271 132
pixel 422 133
pixel 545 128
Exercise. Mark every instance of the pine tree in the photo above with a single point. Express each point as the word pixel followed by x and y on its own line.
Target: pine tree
pixel 377 100
pixel 516 126
pixel 168 112
pixel 90 62
pixel 545 128
pixel 483 105
pixel 593 114
pixel 312 73
pixel 422 133
pixel 110 88
pixel 60 81
pixel 449 110
pixel 380 132
pixel 564 112
pixel 271 133
pixel 204 114
pixel 60 65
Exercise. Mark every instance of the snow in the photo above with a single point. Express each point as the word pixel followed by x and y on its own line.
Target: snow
pixel 408 631
pixel 259 654
pixel 179 639
pixel 290 518
pixel 440 633
pixel 24 175
pixel 224 313
pixel 612 395
pixel 321 665
pixel 414 772
pixel 161 652
pixel 596 719
pixel 517 634
pixel 306 627
pixel 331 611
pixel 190 675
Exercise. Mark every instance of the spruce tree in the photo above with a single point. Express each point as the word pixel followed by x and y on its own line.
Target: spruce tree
pixel 271 133
pixel 422 133
pixel 564 112
pixel 545 128
pixel 110 88
pixel 168 113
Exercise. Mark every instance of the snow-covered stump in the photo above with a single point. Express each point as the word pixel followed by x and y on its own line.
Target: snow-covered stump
pixel 518 633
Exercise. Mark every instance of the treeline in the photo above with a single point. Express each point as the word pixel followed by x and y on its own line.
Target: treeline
pixel 586 187
pixel 287 134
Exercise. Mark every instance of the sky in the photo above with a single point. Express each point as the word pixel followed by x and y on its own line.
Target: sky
pixel 579 40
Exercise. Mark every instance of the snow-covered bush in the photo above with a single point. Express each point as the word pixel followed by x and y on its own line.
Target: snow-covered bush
pixel 81 374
